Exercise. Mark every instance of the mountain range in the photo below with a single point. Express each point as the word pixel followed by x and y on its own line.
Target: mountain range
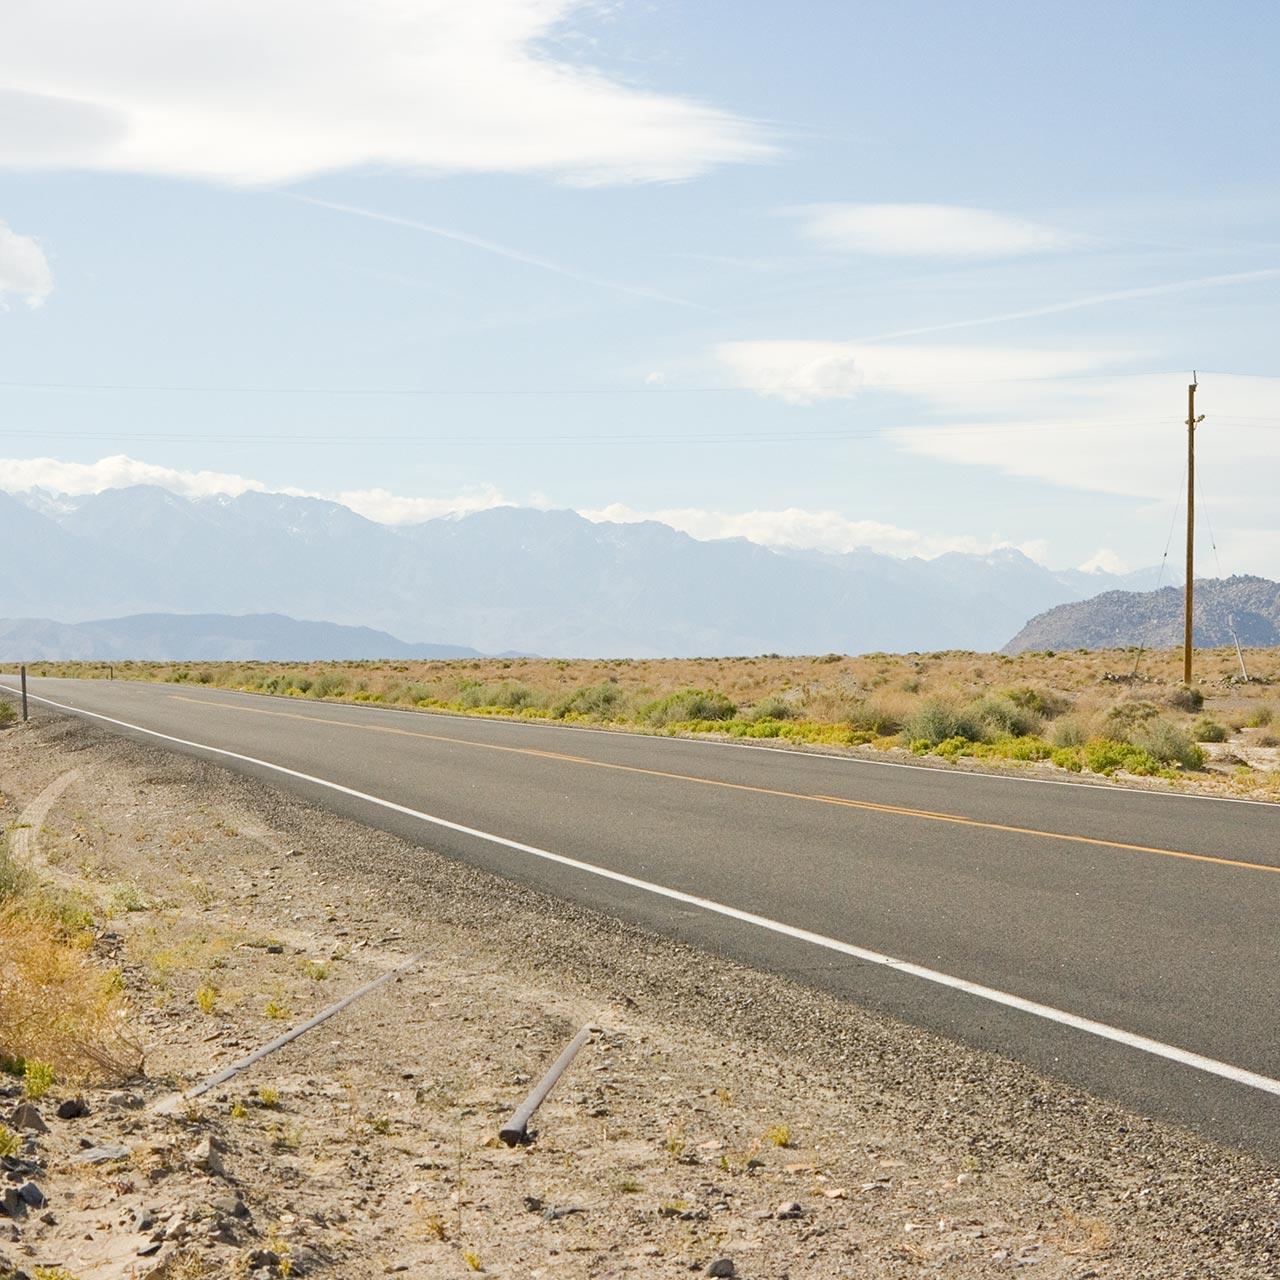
pixel 1224 609
pixel 547 582
pixel 169 637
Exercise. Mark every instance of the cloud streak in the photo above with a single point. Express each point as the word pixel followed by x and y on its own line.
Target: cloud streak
pixel 1090 300
pixel 501 251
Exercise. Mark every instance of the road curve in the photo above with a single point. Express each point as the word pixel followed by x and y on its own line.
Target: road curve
pixel 1124 941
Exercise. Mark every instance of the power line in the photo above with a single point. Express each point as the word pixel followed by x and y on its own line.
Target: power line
pixel 205 389
pixel 775 436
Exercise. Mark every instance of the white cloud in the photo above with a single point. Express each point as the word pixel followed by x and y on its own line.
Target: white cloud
pixel 927 231
pixel 19 475
pixel 1104 560
pixel 389 508
pixel 24 270
pixel 116 472
pixel 795 528
pixel 804 372
pixel 1123 436
pixel 246 92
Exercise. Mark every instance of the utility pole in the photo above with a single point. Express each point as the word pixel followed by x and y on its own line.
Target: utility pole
pixel 1192 420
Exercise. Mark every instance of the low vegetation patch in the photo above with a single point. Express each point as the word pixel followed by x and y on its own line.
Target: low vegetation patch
pixel 1124 710
pixel 62 1015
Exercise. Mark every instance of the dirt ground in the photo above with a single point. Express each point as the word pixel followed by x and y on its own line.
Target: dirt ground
pixel 723 1121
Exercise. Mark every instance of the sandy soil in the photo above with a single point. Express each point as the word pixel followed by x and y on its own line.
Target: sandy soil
pixel 714 1096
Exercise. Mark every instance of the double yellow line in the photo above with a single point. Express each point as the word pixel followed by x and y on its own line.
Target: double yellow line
pixel 900 811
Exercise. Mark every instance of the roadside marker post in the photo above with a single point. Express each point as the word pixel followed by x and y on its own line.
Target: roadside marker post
pixel 24 692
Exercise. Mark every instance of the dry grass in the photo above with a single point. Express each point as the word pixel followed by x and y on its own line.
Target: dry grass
pixel 57 1006
pixel 62 1015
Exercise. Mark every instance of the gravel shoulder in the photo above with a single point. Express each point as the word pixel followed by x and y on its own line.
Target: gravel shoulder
pixel 714 1098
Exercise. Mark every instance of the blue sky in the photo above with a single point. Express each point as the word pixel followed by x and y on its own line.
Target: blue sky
pixel 916 276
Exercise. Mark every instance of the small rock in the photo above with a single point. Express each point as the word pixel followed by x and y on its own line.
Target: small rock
pixel 231 1206
pixel 205 1157
pixel 177 1228
pixel 221 1232
pixel 555 1213
pixel 12 1203
pixel 789 1209
pixel 275 949
pixel 32 1195
pixel 836 1193
pixel 722 1267
pixel 25 1116
pixel 72 1109
pixel 262 1258
pixel 533 1205
pixel 102 1154
pixel 130 1101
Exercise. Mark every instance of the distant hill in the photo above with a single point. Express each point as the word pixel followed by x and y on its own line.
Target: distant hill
pixel 547 582
pixel 172 637
pixel 1155 618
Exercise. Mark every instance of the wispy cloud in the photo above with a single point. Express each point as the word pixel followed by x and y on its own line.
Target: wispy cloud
pixel 805 372
pixel 927 231
pixel 24 269
pixel 502 251
pixel 440 86
pixel 1089 300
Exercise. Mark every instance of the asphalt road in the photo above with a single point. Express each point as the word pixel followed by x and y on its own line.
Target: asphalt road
pixel 1123 941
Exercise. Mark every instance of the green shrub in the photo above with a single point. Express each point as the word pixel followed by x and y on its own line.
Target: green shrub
pixel 1208 730
pixel 934 722
pixel 1026 747
pixel 774 708
pixel 1106 755
pixel 1185 698
pixel 7 713
pixel 1068 758
pixel 510 695
pixel 1168 744
pixel 1124 717
pixel 1004 716
pixel 600 701
pixel 871 717
pixel 688 704
pixel 1044 702
pixel 328 685
pixel 1070 732
pixel 1262 715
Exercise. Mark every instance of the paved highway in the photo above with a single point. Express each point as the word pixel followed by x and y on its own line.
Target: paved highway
pixel 1123 941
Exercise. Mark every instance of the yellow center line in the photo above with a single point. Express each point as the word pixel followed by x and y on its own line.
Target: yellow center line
pixel 870 806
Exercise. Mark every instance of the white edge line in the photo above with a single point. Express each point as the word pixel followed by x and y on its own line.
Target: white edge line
pixel 801 751
pixel 1143 1044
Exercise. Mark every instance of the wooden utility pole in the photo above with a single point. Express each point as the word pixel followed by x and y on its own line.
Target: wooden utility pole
pixel 1192 420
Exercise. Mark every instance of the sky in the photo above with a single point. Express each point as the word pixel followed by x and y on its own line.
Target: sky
pixel 919 277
